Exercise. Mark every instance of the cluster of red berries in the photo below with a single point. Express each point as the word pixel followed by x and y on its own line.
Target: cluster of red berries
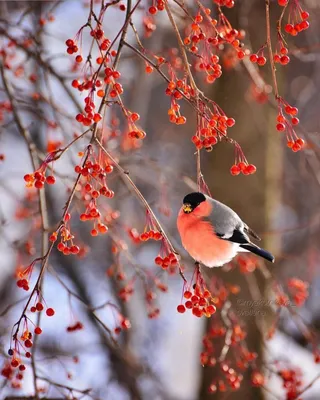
pixel 258 58
pixel 210 66
pixel 177 88
pixel 40 307
pixel 8 371
pixel 66 236
pixel 232 380
pixel 38 179
pixel 96 171
pixel 126 292
pixel 23 283
pixel 99 228
pixel 205 47
pixel 199 301
pixel 71 46
pixel 94 174
pixel 226 33
pixel 299 290
pixel 77 326
pixel 244 168
pixel 25 275
pixel 282 57
pixel 291 382
pixel 156 6
pixel 135 133
pixel 241 164
pixel 110 78
pixel 226 3
pixel 211 130
pixel 151 234
pixel 174 114
pixel 286 125
pixel 15 362
pixel 68 250
pixel 300 22
pixel 125 324
pixel 90 116
pixel 169 261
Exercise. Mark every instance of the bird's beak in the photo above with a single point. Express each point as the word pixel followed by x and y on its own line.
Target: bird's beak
pixel 187 208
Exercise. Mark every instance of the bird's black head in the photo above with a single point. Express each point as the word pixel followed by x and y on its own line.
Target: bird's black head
pixel 192 200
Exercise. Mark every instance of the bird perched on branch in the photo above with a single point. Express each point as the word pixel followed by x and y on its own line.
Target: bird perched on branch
pixel 212 233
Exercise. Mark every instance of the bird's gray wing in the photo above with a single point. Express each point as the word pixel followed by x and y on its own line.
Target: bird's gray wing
pixel 228 225
pixel 225 221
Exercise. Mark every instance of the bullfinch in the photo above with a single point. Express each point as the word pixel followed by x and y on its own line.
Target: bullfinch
pixel 212 233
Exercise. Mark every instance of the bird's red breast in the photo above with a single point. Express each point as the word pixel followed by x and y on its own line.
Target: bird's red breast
pixel 199 239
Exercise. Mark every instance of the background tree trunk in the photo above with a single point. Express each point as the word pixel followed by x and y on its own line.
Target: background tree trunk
pixel 252 197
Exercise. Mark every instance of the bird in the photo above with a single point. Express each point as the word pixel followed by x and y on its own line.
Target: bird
pixel 212 233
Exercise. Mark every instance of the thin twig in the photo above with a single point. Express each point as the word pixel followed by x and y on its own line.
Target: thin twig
pixel 269 45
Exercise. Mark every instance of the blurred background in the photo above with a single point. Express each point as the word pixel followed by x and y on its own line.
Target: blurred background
pixel 157 358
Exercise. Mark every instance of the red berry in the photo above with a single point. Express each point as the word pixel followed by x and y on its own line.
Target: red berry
pixel 241 54
pixel 253 58
pixel 261 60
pixel 300 142
pixel 211 309
pixel 97 117
pixel 51 180
pixel 39 306
pixel 153 10
pixel 79 117
pixel 38 330
pixel 276 58
pixel 181 308
pixel 251 169
pixel 289 28
pixel 230 122
pixel 61 246
pixel 235 170
pixel 304 25
pixel 284 60
pixel 38 184
pixel 28 343
pixel 158 260
pixel 75 249
pixel 281 127
pixel 69 42
pixel 50 312
pixel 28 178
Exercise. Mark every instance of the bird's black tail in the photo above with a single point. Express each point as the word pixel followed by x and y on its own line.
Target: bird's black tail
pixel 257 250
